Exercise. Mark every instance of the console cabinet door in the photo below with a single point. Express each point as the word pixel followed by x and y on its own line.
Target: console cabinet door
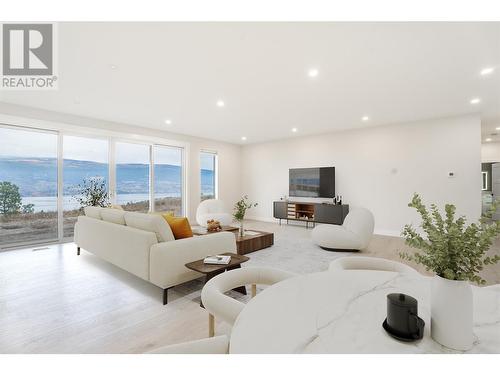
pixel 280 210
pixel 328 214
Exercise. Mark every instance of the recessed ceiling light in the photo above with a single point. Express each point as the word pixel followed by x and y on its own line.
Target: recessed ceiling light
pixel 243 138
pixel 113 66
pixel 487 71
pixel 294 130
pixel 365 118
pixel 168 122
pixel 475 101
pixel 313 73
pixel 488 139
pixel 220 103
pixel 497 128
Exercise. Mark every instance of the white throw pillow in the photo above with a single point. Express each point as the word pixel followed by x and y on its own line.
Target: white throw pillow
pixel 113 215
pixel 151 223
pixel 93 212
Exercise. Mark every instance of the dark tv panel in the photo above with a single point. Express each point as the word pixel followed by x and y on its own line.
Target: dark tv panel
pixel 327 182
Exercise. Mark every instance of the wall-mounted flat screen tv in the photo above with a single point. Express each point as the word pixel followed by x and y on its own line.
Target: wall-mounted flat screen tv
pixel 312 182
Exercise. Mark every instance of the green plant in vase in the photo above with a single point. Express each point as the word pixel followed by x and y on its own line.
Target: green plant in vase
pixel 456 252
pixel 240 210
pixel 450 248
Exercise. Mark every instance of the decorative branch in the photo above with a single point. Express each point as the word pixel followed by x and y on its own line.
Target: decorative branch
pixel 241 207
pixel 450 248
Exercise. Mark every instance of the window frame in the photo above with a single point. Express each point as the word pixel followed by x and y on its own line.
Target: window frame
pixel 62 130
pixel 216 171
pixel 484 180
pixel 57 239
pixel 183 177
pixel 111 174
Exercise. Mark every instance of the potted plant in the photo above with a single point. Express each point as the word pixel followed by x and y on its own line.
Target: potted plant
pixel 455 252
pixel 240 209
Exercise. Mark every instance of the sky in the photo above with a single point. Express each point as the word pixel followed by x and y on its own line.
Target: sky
pixel 207 161
pixel 25 143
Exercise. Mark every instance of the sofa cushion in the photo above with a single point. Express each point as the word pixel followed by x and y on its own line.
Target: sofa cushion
pixel 150 223
pixel 113 215
pixel 93 212
pixel 179 225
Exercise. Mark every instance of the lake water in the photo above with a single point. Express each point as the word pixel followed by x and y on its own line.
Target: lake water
pixel 50 203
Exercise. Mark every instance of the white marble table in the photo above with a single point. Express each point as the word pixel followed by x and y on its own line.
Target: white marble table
pixel 342 312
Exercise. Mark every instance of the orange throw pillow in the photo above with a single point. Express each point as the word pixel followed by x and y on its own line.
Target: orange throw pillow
pixel 179 225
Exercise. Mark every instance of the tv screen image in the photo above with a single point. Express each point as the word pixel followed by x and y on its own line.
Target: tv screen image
pixel 312 182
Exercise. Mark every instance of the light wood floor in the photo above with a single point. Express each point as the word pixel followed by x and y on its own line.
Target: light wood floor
pixel 52 301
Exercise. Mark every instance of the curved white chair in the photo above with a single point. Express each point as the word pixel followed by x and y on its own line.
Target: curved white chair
pixel 226 308
pixel 212 345
pixel 354 234
pixel 212 209
pixel 370 263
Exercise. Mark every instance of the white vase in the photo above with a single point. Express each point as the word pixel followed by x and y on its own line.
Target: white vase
pixel 451 313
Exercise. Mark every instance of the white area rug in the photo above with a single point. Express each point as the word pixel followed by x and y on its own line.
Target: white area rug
pixel 293 251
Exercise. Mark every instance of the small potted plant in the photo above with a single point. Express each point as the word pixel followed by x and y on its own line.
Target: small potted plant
pixel 455 252
pixel 240 209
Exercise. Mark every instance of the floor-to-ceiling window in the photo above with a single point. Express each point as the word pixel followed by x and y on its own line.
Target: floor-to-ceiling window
pixel 85 171
pixel 132 176
pixel 42 172
pixel 168 179
pixel 28 186
pixel 208 175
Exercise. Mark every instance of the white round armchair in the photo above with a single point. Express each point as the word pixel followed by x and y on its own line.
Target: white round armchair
pixel 212 209
pixel 354 234
pixel 223 307
pixel 370 263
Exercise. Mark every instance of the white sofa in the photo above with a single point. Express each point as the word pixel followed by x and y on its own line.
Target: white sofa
pixel 143 244
pixel 354 234
pixel 212 209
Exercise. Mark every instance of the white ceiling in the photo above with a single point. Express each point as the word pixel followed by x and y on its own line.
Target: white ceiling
pixel 392 72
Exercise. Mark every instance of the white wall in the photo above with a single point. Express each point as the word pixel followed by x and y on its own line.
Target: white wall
pixel 229 154
pixel 490 152
pixel 378 168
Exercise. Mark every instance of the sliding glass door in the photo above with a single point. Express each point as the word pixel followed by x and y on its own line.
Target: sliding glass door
pixel 132 176
pixel 46 178
pixel 86 168
pixel 168 179
pixel 28 186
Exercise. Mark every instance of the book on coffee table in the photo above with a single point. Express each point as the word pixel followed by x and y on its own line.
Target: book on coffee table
pixel 217 259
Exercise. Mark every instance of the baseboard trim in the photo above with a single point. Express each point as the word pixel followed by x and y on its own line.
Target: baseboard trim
pixel 265 219
pixel 380 232
pixel 389 233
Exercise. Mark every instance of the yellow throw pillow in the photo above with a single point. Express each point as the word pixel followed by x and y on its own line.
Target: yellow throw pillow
pixel 179 225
